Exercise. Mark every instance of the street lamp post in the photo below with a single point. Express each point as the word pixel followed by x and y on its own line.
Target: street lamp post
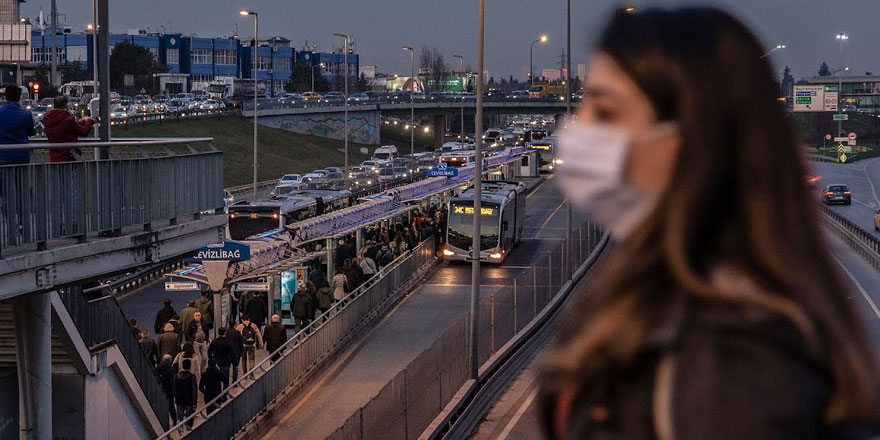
pixel 841 37
pixel 345 54
pixel 461 61
pixel 246 12
pixel 319 65
pixel 541 39
pixel 478 194
pixel 569 267
pixel 839 96
pixel 778 47
pixel 412 111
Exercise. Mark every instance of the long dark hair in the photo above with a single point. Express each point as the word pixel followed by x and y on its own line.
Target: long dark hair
pixel 737 196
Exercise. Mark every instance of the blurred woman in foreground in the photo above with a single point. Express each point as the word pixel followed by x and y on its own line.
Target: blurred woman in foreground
pixel 718 314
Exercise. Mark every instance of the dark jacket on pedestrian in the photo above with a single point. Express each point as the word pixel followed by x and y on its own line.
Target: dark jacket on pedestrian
pixel 221 351
pixel 162 317
pixel 185 389
pixel 168 342
pixel 16 125
pixel 275 336
pixel 236 343
pixel 211 383
pixel 166 377
pixel 150 349
pixel 317 277
pixel 728 372
pixel 206 306
pixel 352 278
pixel 300 305
pixel 61 126
pixel 192 331
pixel 256 310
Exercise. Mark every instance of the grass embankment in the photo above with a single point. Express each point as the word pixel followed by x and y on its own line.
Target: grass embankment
pixel 280 151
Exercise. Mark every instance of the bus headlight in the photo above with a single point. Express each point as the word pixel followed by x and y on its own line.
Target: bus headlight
pixel 496 256
pixel 448 253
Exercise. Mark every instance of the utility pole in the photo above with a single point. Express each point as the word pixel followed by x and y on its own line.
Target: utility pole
pixel 53 78
pixel 104 73
pixel 568 247
pixel 478 194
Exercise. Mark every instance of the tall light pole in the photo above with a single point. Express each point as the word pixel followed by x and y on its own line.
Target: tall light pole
pixel 245 12
pixel 541 39
pixel 461 62
pixel 412 110
pixel 841 37
pixel 568 247
pixel 345 54
pixel 319 65
pixel 478 194
pixel 53 78
pixel 839 96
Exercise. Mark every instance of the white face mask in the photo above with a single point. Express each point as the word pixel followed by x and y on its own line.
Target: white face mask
pixel 591 162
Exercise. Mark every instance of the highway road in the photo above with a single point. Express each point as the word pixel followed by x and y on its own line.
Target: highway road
pixel 421 318
pixel 863 179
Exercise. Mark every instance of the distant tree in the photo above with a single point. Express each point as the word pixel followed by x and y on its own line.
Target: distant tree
pixel 824 70
pixel 787 82
pixel 73 71
pixel 131 59
pixel 41 76
pixel 434 68
pixel 363 84
pixel 301 79
pixel 491 81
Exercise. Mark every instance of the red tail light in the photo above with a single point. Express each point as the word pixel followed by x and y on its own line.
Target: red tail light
pixel 828 193
pixel 846 192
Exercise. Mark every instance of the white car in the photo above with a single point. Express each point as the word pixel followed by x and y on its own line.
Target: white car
pixel 290 178
pixel 118 113
pixel 370 165
pixel 210 105
pixel 315 179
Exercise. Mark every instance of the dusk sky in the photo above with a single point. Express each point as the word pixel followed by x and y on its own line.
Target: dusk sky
pixel 381 27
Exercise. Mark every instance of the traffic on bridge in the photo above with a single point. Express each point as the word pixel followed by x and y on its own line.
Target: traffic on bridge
pixel 659 223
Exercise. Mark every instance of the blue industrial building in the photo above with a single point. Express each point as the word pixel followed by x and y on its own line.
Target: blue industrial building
pixel 194 61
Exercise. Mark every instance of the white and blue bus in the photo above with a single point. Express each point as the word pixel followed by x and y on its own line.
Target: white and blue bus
pixel 247 219
pixel 502 214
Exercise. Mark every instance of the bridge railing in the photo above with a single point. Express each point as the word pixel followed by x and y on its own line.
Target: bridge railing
pixel 143 181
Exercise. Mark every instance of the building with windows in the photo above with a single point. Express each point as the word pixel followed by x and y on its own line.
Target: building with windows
pixel 199 60
pixel 860 91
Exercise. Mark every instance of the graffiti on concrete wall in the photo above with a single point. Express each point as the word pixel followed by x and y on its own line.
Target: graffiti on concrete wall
pixel 360 129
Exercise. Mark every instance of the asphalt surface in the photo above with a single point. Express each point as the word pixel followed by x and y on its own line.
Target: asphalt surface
pixel 863 179
pixel 412 327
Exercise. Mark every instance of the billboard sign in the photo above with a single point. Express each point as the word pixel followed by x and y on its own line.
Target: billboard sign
pixel 815 98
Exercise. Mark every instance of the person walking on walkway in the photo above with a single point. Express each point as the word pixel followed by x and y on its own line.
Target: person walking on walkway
pixel 166 376
pixel 185 392
pixel 186 315
pixel 206 307
pixel 299 307
pixel 337 285
pixel 719 314
pixel 252 340
pixel 275 335
pixel 221 352
pixel 168 342
pixel 61 127
pixel 233 336
pixel 211 384
pixel 163 316
pixel 257 310
pixel 198 335
pixel 189 353
pixel 16 126
pixel 149 348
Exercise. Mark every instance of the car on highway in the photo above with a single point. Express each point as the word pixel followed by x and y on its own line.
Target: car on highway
pixel 283 189
pixel 290 178
pixel 361 177
pixel 401 162
pixel 877 220
pixel 836 193
pixel 291 98
pixel 370 165
pixel 386 172
pixel 39 111
pixel 311 96
pixel 333 98
pixel 401 172
pixel 518 94
pixel 359 97
pixel 314 180
pixel 119 113
pixel 211 105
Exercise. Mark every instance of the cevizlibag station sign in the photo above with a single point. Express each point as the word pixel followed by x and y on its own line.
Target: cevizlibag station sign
pixel 225 251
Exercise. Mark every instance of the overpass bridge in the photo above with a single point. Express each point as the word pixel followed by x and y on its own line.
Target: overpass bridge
pixel 325 119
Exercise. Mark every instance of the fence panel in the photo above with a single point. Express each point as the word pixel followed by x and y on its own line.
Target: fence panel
pixel 454 358
pixel 504 316
pixel 350 430
pixel 385 415
pixel 423 397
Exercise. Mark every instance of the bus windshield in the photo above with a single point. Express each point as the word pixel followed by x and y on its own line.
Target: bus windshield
pixel 461 226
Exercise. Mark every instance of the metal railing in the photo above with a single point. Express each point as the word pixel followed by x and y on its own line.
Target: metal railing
pixel 863 242
pixel 257 388
pixel 405 406
pixel 142 182
pixel 101 320
pixel 280 103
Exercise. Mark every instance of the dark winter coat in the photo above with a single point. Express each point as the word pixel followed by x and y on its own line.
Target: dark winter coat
pixel 163 316
pixel 318 278
pixel 221 351
pixel 193 326
pixel 206 306
pixel 275 336
pixel 300 305
pixel 61 126
pixel 151 350
pixel 732 376
pixel 211 384
pixel 236 343
pixel 256 310
pixel 168 344
pixel 166 377
pixel 185 389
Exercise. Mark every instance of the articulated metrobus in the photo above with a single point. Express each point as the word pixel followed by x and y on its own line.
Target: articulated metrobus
pixel 502 214
pixel 546 152
pixel 247 219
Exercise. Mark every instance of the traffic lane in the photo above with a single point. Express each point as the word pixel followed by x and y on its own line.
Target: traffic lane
pixel 516 414
pixel 862 284
pixel 142 304
pixel 863 179
pixel 421 318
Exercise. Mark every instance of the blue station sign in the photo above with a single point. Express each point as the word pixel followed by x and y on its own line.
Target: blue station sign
pixel 441 170
pixel 224 251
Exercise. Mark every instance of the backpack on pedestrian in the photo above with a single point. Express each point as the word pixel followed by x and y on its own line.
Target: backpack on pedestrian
pixel 325 299
pixel 249 335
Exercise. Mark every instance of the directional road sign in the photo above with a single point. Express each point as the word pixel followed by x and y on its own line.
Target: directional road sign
pixel 441 170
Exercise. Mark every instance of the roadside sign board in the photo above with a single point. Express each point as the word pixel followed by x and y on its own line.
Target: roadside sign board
pixel 841 139
pixel 815 98
pixel 841 117
pixel 181 286
pixel 827 137
pixel 840 148
pixel 224 251
pixel 441 170
pixel 365 150
pixel 851 143
pixel 852 136
pixel 252 286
